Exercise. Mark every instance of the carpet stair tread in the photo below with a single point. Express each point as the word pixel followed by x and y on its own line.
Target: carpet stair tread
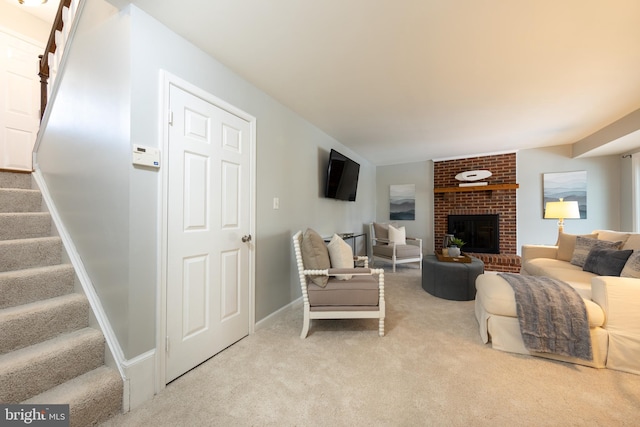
pixel 48 352
pixel 39 321
pixel 19 254
pixel 15 180
pixel 20 200
pixel 33 284
pixel 92 397
pixel 32 370
pixel 24 225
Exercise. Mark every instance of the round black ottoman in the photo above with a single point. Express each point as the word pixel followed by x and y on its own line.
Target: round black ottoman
pixel 451 280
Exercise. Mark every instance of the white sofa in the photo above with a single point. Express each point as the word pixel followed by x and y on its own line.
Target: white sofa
pixel 612 303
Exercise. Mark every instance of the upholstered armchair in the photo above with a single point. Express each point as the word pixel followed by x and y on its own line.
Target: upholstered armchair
pixel 390 243
pixel 332 288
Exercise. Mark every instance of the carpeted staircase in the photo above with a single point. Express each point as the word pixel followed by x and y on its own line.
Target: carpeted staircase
pixel 48 352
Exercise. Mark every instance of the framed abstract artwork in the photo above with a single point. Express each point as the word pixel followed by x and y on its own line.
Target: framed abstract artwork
pixel 570 186
pixel 402 202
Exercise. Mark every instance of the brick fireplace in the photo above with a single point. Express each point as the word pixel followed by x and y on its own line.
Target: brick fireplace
pixel 496 198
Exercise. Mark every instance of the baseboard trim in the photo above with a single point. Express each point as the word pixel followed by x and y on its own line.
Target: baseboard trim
pixel 268 321
pixel 140 377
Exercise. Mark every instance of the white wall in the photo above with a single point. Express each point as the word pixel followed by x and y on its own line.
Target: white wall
pixel 109 99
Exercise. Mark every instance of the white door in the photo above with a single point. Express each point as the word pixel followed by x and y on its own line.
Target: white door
pixel 209 214
pixel 19 101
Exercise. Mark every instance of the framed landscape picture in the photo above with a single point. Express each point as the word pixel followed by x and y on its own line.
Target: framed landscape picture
pixel 570 186
pixel 402 202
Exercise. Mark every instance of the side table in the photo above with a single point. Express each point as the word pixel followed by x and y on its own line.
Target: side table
pixel 451 280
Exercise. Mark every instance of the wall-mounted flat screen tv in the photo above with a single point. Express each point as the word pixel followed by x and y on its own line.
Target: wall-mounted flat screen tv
pixel 342 177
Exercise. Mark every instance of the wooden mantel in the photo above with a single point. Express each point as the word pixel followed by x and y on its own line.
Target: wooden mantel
pixel 491 187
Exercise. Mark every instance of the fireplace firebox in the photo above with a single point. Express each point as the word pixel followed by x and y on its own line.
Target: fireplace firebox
pixel 480 232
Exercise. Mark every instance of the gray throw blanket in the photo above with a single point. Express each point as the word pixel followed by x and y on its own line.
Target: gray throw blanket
pixel 552 316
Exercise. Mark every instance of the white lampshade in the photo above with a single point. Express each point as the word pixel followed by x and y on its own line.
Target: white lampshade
pixel 562 210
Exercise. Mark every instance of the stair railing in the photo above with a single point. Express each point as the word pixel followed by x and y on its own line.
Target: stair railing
pixel 53 49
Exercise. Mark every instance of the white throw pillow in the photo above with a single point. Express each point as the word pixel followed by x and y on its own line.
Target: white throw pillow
pixel 397 235
pixel 341 255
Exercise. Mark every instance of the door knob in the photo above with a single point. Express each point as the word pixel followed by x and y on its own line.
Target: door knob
pixel 246 238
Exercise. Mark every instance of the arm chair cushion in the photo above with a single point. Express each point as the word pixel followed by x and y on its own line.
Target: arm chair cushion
pixel 340 255
pixel 359 291
pixel 315 255
pixel 402 251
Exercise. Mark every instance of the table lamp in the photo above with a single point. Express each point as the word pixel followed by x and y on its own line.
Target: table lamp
pixel 561 210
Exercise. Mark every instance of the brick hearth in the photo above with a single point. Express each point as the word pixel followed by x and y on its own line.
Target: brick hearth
pixel 502 202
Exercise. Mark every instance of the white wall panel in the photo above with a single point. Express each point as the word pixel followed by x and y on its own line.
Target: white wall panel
pixel 195 296
pixel 196 202
pixel 230 287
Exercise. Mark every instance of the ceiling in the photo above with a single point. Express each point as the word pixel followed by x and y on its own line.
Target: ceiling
pixel 411 80
pixel 46 12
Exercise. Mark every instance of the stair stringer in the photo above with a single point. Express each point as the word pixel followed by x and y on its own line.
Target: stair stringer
pixel 114 356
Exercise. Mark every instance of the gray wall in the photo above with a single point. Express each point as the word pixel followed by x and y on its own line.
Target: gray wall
pixel 110 100
pixel 84 157
pixel 604 193
pixel 291 156
pixel 420 174
pixel 626 191
pixel 608 194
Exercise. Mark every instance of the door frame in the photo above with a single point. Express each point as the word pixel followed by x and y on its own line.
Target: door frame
pixel 166 81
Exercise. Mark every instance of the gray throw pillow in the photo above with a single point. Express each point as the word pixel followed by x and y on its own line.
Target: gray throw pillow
pixel 315 255
pixel 606 262
pixel 381 231
pixel 584 246
pixel 632 267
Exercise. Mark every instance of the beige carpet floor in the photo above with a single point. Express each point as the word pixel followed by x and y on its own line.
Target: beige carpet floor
pixel 431 368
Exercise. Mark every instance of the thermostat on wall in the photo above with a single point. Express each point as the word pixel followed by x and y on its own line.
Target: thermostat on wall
pixel 146 156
